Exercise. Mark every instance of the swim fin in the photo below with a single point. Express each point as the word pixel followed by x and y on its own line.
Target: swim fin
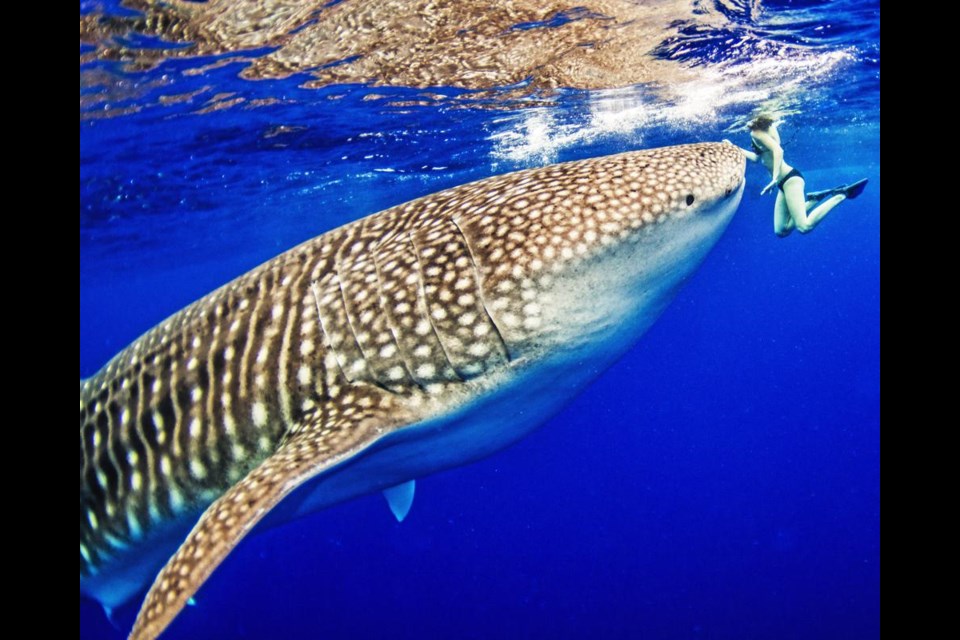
pixel 855 189
pixel 851 190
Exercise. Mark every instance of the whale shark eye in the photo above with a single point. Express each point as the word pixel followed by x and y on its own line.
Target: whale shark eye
pixel 690 199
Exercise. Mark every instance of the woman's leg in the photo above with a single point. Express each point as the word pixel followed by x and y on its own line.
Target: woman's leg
pixel 796 204
pixel 782 222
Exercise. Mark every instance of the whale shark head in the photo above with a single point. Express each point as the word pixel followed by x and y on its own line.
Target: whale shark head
pixel 587 254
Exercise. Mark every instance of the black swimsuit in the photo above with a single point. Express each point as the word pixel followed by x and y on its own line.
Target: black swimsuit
pixel 792 174
pixel 757 149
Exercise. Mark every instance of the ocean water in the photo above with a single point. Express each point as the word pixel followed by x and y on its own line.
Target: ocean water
pixel 720 481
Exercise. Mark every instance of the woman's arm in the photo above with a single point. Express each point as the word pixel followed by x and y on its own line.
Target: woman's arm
pixel 776 151
pixel 751 156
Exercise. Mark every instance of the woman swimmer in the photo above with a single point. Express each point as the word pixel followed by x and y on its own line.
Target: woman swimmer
pixel 793 209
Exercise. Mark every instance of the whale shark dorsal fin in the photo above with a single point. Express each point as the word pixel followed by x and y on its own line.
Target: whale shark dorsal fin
pixel 400 498
pixel 314 447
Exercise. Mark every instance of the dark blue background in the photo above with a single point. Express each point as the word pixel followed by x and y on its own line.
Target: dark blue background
pixel 721 481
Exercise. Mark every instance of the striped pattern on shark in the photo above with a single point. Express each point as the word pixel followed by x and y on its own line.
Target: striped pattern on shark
pixel 419 338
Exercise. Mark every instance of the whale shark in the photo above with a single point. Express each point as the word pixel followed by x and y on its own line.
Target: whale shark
pixel 416 339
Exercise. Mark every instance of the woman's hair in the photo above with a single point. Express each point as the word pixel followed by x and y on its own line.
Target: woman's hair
pixel 761 123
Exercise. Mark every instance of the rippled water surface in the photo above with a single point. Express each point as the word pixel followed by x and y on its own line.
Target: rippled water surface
pixel 721 481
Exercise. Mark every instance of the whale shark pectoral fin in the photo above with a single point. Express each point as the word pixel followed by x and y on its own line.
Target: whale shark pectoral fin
pixel 312 449
pixel 400 498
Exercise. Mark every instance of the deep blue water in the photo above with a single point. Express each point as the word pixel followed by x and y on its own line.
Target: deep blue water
pixel 721 481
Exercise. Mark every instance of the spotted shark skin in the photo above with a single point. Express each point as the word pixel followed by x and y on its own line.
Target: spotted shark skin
pixel 416 339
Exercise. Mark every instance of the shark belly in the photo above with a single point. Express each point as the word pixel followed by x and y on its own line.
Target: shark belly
pixel 470 433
